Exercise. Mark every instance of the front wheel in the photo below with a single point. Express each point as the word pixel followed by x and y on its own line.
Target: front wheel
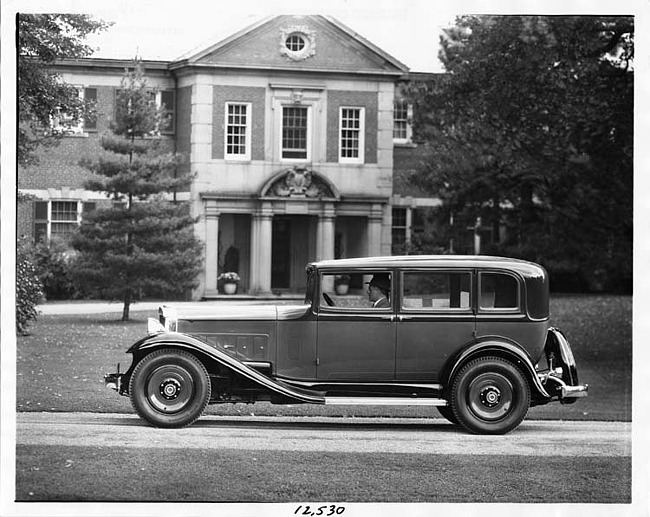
pixel 169 388
pixel 490 395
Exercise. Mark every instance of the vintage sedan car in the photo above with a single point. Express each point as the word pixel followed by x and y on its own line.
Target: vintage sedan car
pixel 469 335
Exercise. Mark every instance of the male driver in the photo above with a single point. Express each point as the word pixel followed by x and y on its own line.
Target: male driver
pixel 379 291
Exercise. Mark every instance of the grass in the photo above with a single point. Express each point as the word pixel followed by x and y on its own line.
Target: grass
pixel 60 365
pixel 49 473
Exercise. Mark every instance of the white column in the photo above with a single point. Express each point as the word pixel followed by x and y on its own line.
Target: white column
pixel 325 233
pixel 375 219
pixel 255 254
pixel 265 240
pixel 211 247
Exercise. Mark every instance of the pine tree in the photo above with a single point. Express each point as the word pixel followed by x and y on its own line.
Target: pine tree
pixel 147 247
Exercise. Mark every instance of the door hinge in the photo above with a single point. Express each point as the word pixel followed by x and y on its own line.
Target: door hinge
pixel 317 361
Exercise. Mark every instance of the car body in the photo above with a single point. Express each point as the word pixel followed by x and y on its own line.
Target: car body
pixel 469 335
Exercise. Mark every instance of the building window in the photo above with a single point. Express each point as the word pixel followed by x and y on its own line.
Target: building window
pixel 295 133
pixel 237 134
pixel 399 230
pixel 295 43
pixel 62 122
pixel 402 115
pixel 58 218
pixel 90 98
pixel 165 101
pixel 351 131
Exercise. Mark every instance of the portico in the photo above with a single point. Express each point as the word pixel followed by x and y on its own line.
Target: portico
pixel 298 216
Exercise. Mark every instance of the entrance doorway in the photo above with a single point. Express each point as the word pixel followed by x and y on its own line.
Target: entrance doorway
pixel 293 245
pixel 281 253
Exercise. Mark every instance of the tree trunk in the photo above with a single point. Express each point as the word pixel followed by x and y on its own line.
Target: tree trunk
pixel 127 304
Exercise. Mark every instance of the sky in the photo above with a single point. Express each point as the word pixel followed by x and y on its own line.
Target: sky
pixel 409 30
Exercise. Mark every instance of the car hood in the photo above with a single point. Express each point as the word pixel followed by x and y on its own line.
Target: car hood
pixel 233 312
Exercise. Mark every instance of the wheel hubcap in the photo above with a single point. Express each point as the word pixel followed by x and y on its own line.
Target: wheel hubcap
pixel 170 388
pixel 490 396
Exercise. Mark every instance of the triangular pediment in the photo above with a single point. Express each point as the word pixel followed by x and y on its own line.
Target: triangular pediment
pixel 305 43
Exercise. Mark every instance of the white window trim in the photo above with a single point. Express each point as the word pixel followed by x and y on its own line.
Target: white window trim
pixel 249 112
pixel 362 135
pixel 309 133
pixel 409 126
pixel 50 221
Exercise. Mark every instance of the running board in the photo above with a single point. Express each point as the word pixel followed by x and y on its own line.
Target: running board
pixel 383 401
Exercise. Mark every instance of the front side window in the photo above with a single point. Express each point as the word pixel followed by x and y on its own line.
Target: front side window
pixel 499 291
pixel 436 291
pixel 295 132
pixel 349 290
pixel 238 142
pixel 351 131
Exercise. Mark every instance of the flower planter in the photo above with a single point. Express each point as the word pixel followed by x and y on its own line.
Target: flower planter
pixel 342 289
pixel 230 288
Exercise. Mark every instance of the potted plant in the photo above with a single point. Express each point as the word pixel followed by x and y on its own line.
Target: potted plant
pixel 229 282
pixel 341 284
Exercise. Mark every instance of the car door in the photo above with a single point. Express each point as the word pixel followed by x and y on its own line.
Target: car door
pixel 356 342
pixel 435 320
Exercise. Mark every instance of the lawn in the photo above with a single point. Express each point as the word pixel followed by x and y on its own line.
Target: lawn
pixel 60 365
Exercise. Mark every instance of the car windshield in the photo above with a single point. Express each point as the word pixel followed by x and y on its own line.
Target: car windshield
pixel 311 285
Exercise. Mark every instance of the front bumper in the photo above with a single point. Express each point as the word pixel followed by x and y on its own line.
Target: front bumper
pixel 115 381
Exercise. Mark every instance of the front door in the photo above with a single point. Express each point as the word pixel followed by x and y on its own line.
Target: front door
pixel 356 342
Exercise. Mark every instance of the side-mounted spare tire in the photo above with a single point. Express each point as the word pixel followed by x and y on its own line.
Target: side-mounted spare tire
pixel 169 388
pixel 489 395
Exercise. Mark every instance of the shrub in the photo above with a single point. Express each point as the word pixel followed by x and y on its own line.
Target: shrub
pixel 55 267
pixel 28 286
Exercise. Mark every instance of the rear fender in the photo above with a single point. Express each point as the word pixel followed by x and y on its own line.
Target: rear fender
pixel 206 353
pixel 500 348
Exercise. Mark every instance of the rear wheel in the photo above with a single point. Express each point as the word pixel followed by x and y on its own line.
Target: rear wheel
pixel 490 395
pixel 169 388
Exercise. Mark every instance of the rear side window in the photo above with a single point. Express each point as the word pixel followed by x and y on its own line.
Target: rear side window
pixel 498 291
pixel 436 291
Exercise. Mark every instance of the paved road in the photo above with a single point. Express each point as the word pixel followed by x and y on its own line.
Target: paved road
pixel 394 435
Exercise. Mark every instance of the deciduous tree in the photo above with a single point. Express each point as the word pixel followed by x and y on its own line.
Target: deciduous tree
pixel 42 40
pixel 531 126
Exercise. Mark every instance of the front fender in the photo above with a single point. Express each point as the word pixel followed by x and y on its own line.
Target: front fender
pixel 205 351
pixel 500 348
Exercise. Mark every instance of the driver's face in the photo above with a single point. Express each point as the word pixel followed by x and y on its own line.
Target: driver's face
pixel 373 293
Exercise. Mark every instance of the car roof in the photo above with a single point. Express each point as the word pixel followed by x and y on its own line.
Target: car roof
pixel 469 261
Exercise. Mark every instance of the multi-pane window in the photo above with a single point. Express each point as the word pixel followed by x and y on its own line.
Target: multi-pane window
pixel 399 230
pixel 351 135
pixel 166 100
pixel 90 98
pixel 238 131
pixel 295 43
pixel 63 217
pixel 295 126
pixel 62 122
pixel 58 218
pixel 401 121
